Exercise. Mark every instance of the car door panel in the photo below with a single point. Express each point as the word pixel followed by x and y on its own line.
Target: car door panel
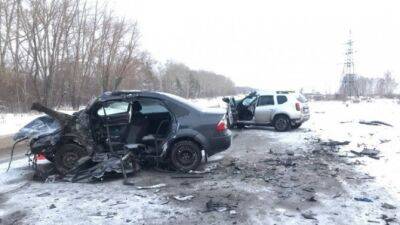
pixel 265 109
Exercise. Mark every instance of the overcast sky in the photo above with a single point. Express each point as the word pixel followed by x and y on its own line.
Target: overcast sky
pixel 271 44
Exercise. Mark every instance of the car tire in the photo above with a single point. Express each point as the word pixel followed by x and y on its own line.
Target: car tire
pixel 185 156
pixel 281 123
pixel 67 156
pixel 296 125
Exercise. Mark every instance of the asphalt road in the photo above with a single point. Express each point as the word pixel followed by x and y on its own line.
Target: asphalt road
pixel 266 177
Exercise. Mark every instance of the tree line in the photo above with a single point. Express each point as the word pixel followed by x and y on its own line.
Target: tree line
pixel 65 52
pixel 356 85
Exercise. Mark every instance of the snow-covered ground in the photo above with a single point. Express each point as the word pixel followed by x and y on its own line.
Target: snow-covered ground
pixel 334 120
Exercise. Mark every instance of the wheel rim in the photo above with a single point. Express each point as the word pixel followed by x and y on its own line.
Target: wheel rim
pixel 281 124
pixel 186 156
pixel 69 159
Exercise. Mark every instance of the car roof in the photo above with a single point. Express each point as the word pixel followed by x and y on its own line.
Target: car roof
pixel 274 92
pixel 111 95
pixel 118 95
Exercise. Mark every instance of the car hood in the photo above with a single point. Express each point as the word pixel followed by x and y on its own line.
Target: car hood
pixel 40 126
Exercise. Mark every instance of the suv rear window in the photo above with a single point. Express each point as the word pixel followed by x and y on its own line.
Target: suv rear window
pixel 266 100
pixel 281 99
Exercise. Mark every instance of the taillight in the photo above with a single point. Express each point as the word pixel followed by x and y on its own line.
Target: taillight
pixel 297 106
pixel 39 156
pixel 221 126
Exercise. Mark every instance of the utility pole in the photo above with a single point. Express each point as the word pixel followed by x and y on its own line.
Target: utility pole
pixel 348 86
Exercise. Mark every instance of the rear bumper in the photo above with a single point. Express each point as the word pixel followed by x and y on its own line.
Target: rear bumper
pixel 302 119
pixel 219 144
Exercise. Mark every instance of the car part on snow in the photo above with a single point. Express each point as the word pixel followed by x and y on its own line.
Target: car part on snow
pixel 374 123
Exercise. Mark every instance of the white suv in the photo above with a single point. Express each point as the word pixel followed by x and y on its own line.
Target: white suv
pixel 282 109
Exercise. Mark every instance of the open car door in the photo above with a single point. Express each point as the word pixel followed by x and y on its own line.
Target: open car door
pixel 231 111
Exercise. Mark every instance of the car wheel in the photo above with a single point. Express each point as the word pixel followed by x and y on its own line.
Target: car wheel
pixel 185 156
pixel 281 123
pixel 67 156
pixel 296 125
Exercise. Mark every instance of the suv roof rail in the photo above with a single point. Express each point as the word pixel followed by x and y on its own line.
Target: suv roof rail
pixel 285 92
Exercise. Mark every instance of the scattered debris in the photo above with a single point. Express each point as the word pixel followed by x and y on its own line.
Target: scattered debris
pixel 309 215
pixel 183 197
pixel 232 213
pixel 312 199
pixel 186 176
pixel 362 199
pixel 337 195
pixel 372 153
pixel 382 141
pixel 388 219
pixel 375 123
pixel 388 206
pixel 309 189
pixel 151 187
pixel 216 206
pixel 290 152
pixel 287 162
pixel 43 194
pixel 331 143
pixel 206 170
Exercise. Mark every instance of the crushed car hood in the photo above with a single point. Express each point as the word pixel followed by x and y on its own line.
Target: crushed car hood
pixel 40 126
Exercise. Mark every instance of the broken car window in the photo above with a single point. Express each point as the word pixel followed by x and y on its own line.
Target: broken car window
pixel 266 100
pixel 152 106
pixel 249 101
pixel 114 108
pixel 281 99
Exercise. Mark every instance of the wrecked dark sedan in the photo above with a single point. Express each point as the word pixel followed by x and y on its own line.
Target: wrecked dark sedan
pixel 129 128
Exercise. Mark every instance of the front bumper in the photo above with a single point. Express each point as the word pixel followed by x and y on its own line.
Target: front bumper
pixel 219 144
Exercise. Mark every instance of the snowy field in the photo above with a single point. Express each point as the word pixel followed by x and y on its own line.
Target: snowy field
pixel 333 120
pixel 259 202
